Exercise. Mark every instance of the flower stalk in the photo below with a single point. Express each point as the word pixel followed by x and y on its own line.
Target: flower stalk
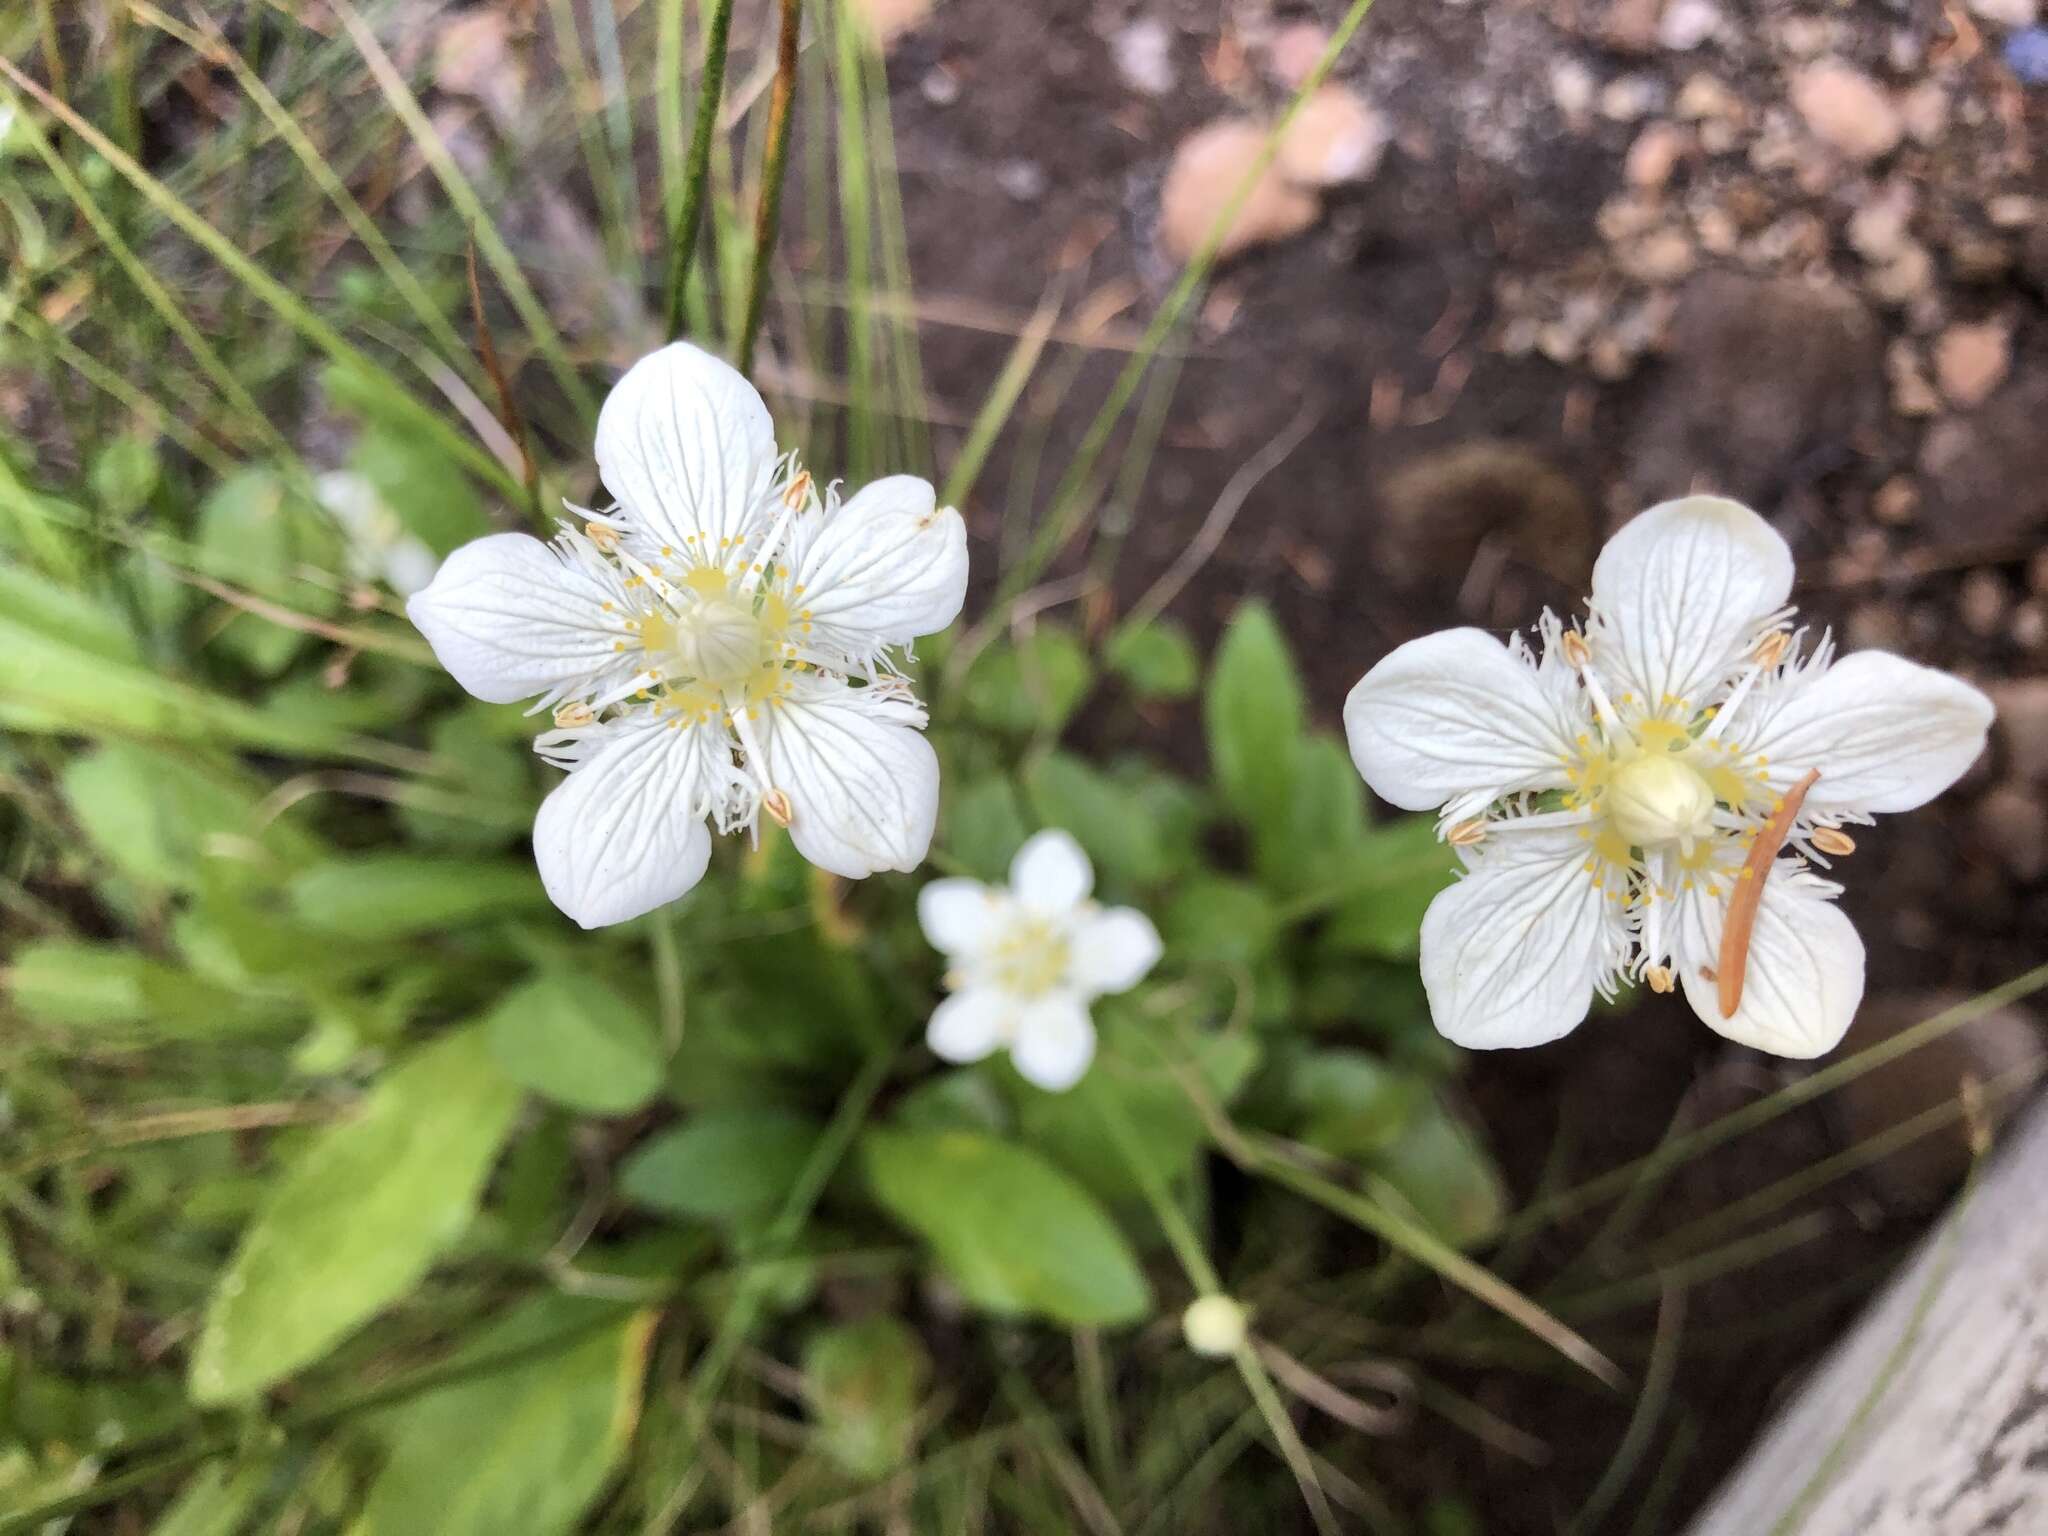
pixel 774 163
pixel 682 244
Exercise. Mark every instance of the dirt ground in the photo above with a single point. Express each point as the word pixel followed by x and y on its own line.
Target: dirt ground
pixel 1613 252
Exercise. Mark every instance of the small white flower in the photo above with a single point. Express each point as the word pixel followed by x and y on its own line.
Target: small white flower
pixel 1027 961
pixel 380 548
pixel 719 644
pixel 1606 795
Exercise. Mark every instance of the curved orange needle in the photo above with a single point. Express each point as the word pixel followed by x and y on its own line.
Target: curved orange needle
pixel 1732 967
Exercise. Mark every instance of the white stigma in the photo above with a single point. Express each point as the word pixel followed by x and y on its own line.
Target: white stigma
pixel 1657 800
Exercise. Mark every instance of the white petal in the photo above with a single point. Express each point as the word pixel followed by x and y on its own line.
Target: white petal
pixel 1887 734
pixel 1511 953
pixel 509 618
pixel 1112 950
pixel 886 567
pixel 968 1025
pixel 1050 873
pixel 1679 594
pixel 1805 972
pixel 687 447
pixel 862 782
pixel 409 565
pixel 625 833
pixel 959 916
pixel 1054 1041
pixel 1455 717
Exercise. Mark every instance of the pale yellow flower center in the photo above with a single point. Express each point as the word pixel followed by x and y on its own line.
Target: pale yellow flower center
pixel 1658 800
pixel 1030 959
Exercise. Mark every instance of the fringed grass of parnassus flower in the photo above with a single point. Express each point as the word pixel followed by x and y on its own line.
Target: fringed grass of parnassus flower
pixel 1620 798
pixel 721 643
pixel 1025 961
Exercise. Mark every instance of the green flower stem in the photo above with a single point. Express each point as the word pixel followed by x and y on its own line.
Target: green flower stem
pixel 774 161
pixel 682 245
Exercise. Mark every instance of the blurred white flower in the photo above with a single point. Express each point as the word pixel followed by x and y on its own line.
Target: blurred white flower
pixel 1026 961
pixel 380 547
pixel 721 643
pixel 1617 799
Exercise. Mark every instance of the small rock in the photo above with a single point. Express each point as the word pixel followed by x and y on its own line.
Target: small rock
pixel 2029 629
pixel 1024 180
pixel 1896 502
pixel 2013 14
pixel 1979 259
pixel 885 21
pixel 2022 705
pixel 1335 137
pixel 1442 506
pixel 940 86
pixel 1206 171
pixel 1654 155
pixel 2001 1047
pixel 2012 210
pixel 1293 52
pixel 1716 229
pixel 1912 394
pixel 1630 26
pixel 1971 361
pixel 1981 603
pixel 1143 53
pixel 1631 98
pixel 1803 36
pixel 1703 99
pixel 2011 824
pixel 1924 110
pixel 1688 23
pixel 1905 278
pixel 1623 218
pixel 1879 228
pixel 1573 88
pixel 1664 257
pixel 474 56
pixel 1846 110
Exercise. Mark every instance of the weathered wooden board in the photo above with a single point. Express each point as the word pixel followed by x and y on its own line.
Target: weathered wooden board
pixel 1931 1417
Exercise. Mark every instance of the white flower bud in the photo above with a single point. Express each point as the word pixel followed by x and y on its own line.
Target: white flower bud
pixel 1214 1326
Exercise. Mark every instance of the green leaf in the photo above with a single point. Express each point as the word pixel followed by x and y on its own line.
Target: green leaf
pixel 391 895
pixel 722 1164
pixel 1107 820
pixel 1439 1168
pixel 1157 660
pixel 1398 869
pixel 525 1448
pixel 1071 1127
pixel 357 1218
pixel 1214 918
pixel 1031 686
pixel 571 1038
pixel 864 1380
pixel 124 474
pixel 1325 823
pixel 1256 717
pixel 1016 1235
pixel 496 778
pixel 1352 1105
pixel 217 1502
pixel 76 985
pixel 161 818
pixel 985 826
pixel 254 532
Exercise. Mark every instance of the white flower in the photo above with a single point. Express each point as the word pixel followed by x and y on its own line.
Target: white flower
pixel 719 644
pixel 1606 795
pixel 379 546
pixel 1027 961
